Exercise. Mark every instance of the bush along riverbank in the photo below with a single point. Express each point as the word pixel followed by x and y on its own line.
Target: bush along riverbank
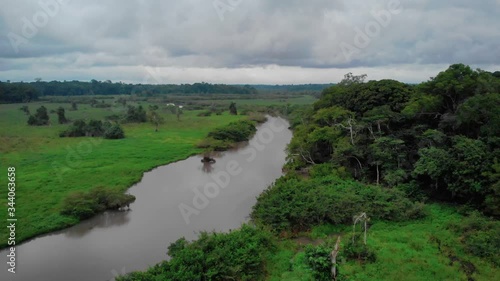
pixel 228 136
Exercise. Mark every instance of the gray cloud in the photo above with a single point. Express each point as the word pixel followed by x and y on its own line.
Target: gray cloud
pixel 188 41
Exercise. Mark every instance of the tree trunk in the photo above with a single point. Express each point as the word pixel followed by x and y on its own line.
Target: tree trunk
pixel 333 258
pixel 351 131
pixel 378 175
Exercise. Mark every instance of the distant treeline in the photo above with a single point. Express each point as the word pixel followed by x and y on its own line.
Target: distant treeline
pixel 25 92
pixel 293 88
pixel 17 92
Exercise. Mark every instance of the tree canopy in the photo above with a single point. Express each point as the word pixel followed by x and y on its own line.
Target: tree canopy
pixel 439 137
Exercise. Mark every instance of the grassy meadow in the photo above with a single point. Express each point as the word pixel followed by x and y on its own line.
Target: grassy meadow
pixel 48 167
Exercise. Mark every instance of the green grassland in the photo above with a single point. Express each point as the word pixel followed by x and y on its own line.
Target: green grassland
pixel 48 167
pixel 425 249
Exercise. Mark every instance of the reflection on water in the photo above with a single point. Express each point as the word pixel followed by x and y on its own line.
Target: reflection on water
pixel 112 242
pixel 104 220
pixel 207 167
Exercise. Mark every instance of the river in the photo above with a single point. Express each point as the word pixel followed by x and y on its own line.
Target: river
pixel 175 200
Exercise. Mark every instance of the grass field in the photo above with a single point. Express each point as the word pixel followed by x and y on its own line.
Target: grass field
pixel 48 167
pixel 404 251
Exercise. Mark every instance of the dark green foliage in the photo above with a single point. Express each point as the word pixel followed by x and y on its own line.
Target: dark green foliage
pixel 362 97
pixel 60 115
pixel 95 128
pixel 226 137
pixel 492 200
pixel 114 132
pixel 17 92
pixel 294 204
pixel 237 255
pixel 84 205
pixel 358 251
pixel 438 139
pixel 40 118
pixel 74 106
pixel 318 259
pixel 232 109
pixel 77 129
pixel 234 131
pixel 136 114
pixel 24 92
pixel 480 115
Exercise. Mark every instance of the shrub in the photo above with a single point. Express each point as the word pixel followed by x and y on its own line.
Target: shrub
pixel 94 128
pixel 114 132
pixel 223 138
pixel 294 204
pixel 237 255
pixel 136 114
pixel 40 118
pixel 318 259
pixel 77 129
pixel 234 131
pixel 79 205
pixel 359 251
pixel 84 205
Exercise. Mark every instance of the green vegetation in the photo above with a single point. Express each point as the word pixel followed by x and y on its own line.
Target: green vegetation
pixel 438 139
pixel 83 205
pixel 17 92
pixel 135 115
pixel 232 109
pixel 423 249
pixel 293 204
pixel 380 151
pixel 40 118
pixel 416 165
pixel 237 255
pixel 50 168
pixel 95 128
pixel 26 92
pixel 223 138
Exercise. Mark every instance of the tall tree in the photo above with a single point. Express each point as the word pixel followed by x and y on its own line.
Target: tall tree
pixel 60 115
pixel 232 109
pixel 154 117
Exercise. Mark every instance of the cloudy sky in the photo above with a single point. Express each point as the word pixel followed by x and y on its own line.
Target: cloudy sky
pixel 244 41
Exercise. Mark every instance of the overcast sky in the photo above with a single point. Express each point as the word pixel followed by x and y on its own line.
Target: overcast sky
pixel 244 41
